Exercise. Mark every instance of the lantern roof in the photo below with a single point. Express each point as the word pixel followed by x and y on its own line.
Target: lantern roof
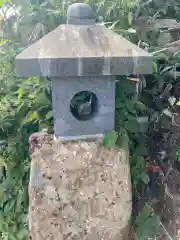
pixel 82 48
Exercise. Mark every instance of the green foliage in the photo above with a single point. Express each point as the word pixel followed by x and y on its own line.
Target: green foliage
pixel 131 137
pixel 21 113
pixel 160 8
pixel 25 107
pixel 178 154
pixel 113 9
pixel 110 139
pixel 147 223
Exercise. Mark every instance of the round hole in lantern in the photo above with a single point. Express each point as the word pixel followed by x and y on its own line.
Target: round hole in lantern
pixel 84 105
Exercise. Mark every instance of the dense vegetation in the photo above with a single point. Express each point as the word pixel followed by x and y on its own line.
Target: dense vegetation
pixel 25 105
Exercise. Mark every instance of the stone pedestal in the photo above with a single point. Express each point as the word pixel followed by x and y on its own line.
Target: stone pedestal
pixel 78 190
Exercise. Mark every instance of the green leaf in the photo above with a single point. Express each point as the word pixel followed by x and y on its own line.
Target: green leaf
pixel 130 17
pixel 140 150
pixel 1 195
pixel 176 53
pixel 178 155
pixel 22 234
pixel 139 162
pixel 1 218
pixel 2 2
pixel 123 140
pixel 25 195
pixel 32 116
pixel 2 161
pixel 11 236
pixel 149 228
pixel 3 41
pixel 132 125
pixel 19 201
pixel 129 87
pixel 110 139
pixel 42 99
pixel 49 115
pixel 130 106
pixel 119 102
pixel 140 107
pixel 9 206
pixel 155 67
pixel 178 103
pixel 143 123
pixel 166 69
pixel 6 125
pixel 21 93
pixel 144 215
pixel 144 177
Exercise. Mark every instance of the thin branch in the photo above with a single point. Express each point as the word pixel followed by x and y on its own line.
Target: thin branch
pixel 173 44
pixel 166 231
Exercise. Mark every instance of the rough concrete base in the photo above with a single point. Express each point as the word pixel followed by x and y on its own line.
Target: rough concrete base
pixel 78 190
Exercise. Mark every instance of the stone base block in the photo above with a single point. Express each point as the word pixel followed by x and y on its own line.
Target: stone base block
pixel 78 190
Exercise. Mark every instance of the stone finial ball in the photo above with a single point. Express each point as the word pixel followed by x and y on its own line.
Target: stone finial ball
pixel 80 11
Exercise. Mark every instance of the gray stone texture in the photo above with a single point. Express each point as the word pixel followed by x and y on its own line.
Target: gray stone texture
pixel 66 125
pixel 79 13
pixel 83 50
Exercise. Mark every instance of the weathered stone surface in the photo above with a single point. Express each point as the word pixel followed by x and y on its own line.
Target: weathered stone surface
pixel 80 13
pixel 83 50
pixel 100 122
pixel 78 190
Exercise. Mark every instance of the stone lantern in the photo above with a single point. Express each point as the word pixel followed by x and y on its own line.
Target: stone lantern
pixel 83 59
